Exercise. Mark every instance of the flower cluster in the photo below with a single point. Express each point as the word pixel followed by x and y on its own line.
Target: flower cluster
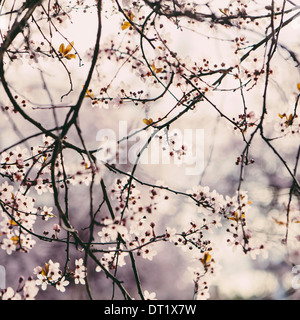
pixel 14 164
pixel 134 223
pixel 27 290
pixel 80 272
pixel 18 217
pixel 231 209
pixel 18 163
pixel 111 259
pixel 288 124
pixel 134 228
pixel 245 121
pixel 52 275
pixel 172 146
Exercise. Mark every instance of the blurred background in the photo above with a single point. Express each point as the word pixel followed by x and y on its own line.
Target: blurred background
pixel 239 276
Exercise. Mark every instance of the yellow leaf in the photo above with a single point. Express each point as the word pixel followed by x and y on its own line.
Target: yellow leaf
pixel 70 56
pixel 158 70
pixel 45 271
pixel 298 86
pixel 279 222
pixel 89 94
pixel 148 122
pixel 69 48
pixel 125 25
pixel 130 15
pixel 12 222
pixel 281 115
pixel 236 216
pixel 15 239
pixel 61 48
pixel 65 51
pixel 206 259
pixel 289 121
pixel 224 11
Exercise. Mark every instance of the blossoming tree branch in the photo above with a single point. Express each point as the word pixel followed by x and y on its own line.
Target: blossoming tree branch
pixel 110 157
